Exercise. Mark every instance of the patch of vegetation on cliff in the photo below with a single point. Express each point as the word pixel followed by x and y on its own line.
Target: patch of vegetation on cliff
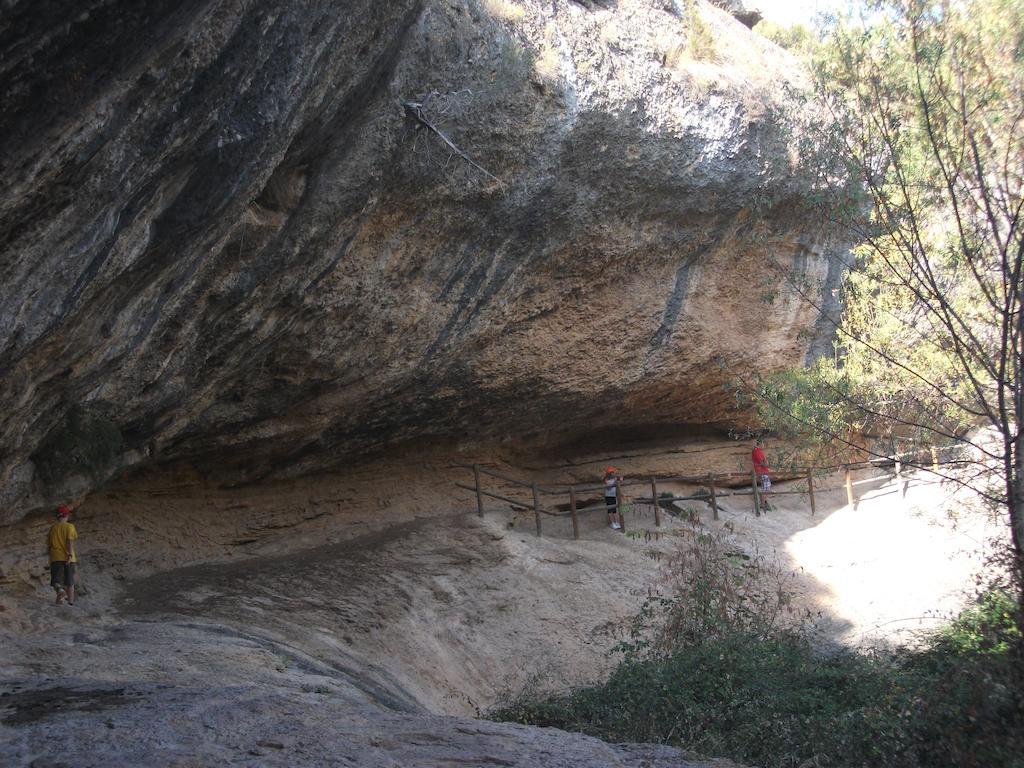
pixel 713 670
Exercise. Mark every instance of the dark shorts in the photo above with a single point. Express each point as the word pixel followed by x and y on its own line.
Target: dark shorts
pixel 610 503
pixel 62 574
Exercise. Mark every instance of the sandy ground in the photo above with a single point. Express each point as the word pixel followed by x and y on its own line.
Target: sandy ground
pixel 889 568
pixel 332 619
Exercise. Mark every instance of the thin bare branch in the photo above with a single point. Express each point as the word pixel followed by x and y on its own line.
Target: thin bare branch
pixel 415 111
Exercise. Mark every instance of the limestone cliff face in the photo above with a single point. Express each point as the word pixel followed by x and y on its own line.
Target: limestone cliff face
pixel 270 237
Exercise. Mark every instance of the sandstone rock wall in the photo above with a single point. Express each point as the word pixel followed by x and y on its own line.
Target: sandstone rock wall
pixel 267 238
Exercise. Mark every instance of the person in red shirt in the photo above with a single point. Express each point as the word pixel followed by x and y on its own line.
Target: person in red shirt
pixel 761 470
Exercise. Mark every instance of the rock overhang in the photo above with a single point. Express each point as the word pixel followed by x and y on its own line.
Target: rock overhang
pixel 266 265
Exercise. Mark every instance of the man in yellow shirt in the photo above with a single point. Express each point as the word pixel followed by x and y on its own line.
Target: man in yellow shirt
pixel 61 541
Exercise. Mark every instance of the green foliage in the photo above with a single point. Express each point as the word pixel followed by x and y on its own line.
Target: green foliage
pixel 797 38
pixel 988 627
pixel 810 406
pixel 911 98
pixel 713 670
pixel 777 702
pixel 922 107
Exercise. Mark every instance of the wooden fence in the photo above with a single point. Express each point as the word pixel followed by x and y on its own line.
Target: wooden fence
pixel 718 487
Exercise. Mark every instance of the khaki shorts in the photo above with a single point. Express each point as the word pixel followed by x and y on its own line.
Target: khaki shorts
pixel 62 575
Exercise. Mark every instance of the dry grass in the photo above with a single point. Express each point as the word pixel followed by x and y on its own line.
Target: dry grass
pixel 505 10
pixel 704 50
pixel 548 64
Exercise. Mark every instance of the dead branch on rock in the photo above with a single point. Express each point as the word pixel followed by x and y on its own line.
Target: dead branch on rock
pixel 414 110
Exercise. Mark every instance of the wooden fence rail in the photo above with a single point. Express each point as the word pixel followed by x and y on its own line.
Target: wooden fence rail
pixel 714 483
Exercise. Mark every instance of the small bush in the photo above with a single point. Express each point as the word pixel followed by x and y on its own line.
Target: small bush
pixel 723 669
pixel 777 702
pixel 990 626
pixel 715 588
pixel 764 702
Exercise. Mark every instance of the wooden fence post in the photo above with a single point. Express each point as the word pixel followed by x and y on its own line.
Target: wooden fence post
pixel 657 506
pixel 536 507
pixel 849 487
pixel 935 460
pixel 714 499
pixel 572 509
pixel 810 488
pixel 479 496
pixel 899 467
pixel 757 494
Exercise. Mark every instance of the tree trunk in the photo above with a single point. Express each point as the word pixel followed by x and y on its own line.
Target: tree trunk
pixel 1014 444
pixel 1015 507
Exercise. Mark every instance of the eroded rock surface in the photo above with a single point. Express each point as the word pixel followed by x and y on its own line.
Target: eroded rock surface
pixel 267 238
pixel 252 633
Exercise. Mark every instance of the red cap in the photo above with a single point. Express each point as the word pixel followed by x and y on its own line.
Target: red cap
pixel 610 470
pixel 63 510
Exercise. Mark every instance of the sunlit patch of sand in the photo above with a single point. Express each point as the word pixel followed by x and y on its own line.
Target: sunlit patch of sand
pixel 898 561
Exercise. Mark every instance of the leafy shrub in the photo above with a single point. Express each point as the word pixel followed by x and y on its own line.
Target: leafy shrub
pixel 989 626
pixel 723 668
